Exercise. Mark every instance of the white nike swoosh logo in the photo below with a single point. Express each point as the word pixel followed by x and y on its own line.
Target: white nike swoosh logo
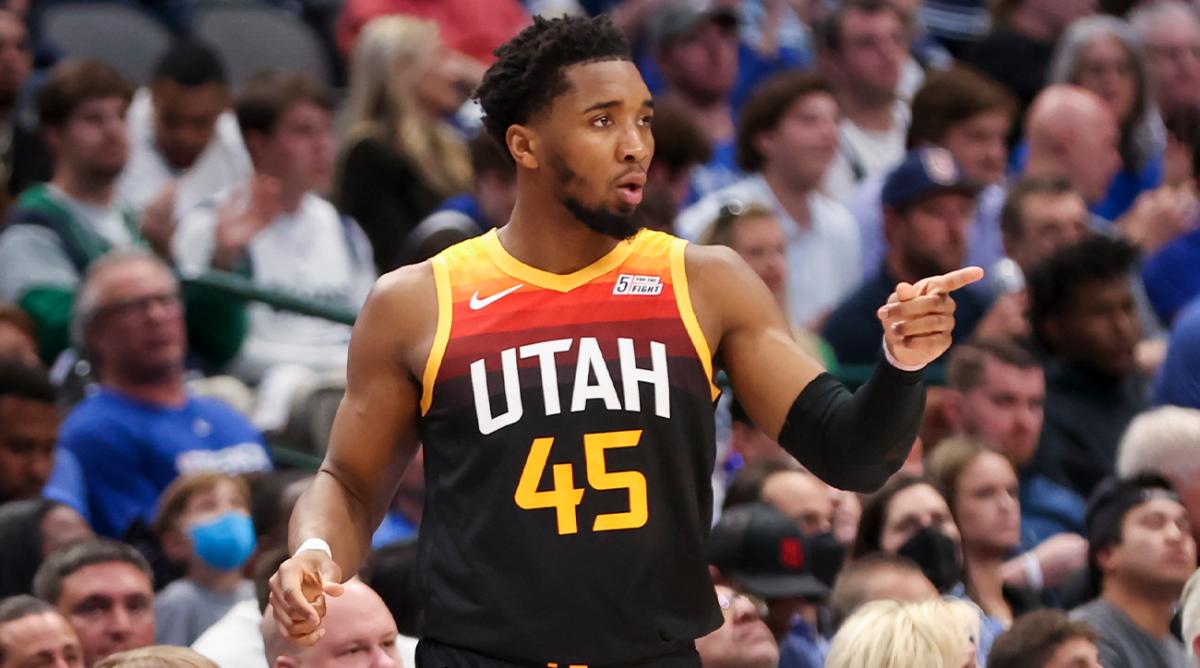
pixel 477 303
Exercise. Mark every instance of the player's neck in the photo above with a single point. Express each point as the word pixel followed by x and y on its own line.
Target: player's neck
pixel 544 235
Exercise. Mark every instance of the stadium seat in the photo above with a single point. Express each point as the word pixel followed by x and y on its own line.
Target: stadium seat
pixel 251 38
pixel 120 35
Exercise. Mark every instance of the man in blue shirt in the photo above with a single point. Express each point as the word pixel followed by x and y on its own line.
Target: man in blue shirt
pixel 141 428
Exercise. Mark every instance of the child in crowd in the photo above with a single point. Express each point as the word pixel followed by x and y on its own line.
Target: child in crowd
pixel 203 525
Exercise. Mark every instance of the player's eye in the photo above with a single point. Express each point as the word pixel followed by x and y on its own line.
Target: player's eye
pixel 602 121
pixel 647 120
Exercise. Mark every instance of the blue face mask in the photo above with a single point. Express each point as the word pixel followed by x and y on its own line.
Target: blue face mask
pixel 224 542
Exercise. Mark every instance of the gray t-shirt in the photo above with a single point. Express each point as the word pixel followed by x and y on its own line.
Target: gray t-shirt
pixel 1123 644
pixel 183 610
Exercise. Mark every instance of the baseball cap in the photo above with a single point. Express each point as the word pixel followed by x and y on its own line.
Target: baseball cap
pixel 680 17
pixel 925 172
pixel 765 552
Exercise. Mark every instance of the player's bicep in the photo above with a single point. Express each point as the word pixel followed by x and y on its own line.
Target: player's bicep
pixel 757 348
pixel 374 433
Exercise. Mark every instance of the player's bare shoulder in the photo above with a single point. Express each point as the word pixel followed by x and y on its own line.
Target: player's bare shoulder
pixel 400 315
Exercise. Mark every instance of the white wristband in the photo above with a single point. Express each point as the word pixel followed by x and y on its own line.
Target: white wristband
pixel 314 544
pixel 887 354
pixel 1033 571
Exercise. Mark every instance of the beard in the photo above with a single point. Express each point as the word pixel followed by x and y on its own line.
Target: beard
pixel 619 225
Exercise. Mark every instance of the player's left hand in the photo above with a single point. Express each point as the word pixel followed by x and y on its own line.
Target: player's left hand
pixel 919 318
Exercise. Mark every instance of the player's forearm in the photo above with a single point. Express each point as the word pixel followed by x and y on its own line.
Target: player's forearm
pixel 856 441
pixel 329 511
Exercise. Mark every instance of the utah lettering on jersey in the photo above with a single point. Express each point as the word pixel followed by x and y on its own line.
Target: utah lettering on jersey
pixel 591 381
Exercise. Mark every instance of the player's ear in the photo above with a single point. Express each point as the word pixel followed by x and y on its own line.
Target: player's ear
pixel 522 145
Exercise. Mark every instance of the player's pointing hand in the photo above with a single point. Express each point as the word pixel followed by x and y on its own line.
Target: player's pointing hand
pixel 918 319
pixel 298 591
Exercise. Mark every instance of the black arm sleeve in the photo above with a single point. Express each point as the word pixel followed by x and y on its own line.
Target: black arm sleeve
pixel 856 441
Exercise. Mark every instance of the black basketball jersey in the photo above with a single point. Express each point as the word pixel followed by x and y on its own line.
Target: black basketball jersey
pixel 567 422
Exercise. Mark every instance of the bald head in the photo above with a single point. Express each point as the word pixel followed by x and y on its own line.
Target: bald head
pixel 1072 133
pixel 358 620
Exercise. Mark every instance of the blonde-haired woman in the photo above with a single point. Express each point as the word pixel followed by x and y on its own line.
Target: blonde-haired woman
pixel 890 634
pixel 401 158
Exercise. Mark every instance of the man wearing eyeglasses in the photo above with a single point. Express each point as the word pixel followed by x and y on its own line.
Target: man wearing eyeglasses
pixel 142 428
pixel 743 641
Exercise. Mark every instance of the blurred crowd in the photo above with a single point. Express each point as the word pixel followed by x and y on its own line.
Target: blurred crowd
pixel 181 259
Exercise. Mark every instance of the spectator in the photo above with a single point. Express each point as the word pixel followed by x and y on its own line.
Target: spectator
pixel 399 158
pixel 1045 639
pixel 1073 134
pixel 142 428
pixel 1170 33
pixel 909 517
pixel 695 46
pixel 33 633
pixel 203 523
pixel 56 230
pixel 786 138
pixel 1169 274
pixel 1084 320
pixel 1178 382
pixel 1040 215
pixel 393 573
pixel 1183 140
pixel 488 205
pixel 1141 552
pixel 873 578
pixel 801 497
pixel 17 338
pixel 928 634
pixel 1189 613
pixel 30 530
pixel 981 488
pixel 1102 54
pixel 236 640
pixel 760 551
pixel 184 141
pixel 970 116
pixel 471 28
pixel 680 146
pixel 1017 51
pixel 29 422
pixel 357 618
pixel 1166 441
pixel 279 227
pixel 743 640
pixel 863 45
pixel 105 591
pixel 24 158
pixel 928 205
pixel 158 656
pixel 1001 392
pixel 754 233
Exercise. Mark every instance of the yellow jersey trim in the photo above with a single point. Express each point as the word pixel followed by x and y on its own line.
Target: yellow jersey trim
pixel 683 300
pixel 441 336
pixel 550 281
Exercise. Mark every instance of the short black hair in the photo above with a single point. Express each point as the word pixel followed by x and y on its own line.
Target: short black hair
pixel 1033 638
pixel 190 63
pixel 25 381
pixel 269 94
pixel 529 69
pixel 64 562
pixel 1054 284
pixel 20 607
pixel 1107 507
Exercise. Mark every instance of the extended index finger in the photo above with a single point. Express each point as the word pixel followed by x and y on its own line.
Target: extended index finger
pixel 952 281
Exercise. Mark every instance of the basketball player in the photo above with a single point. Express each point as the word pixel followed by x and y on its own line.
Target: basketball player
pixel 559 373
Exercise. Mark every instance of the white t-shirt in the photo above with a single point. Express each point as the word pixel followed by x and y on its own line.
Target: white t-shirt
pixel 864 153
pixel 222 164
pixel 235 641
pixel 312 252
pixel 822 259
